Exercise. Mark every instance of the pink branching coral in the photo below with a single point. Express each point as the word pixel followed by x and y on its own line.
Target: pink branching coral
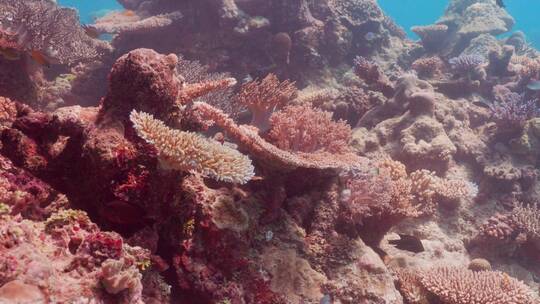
pixel 248 138
pixel 523 221
pixel 264 97
pixel 305 129
pixel 187 151
pixel 428 66
pixel 55 32
pixel 463 286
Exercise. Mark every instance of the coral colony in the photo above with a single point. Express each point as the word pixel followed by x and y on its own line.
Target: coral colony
pixel 267 152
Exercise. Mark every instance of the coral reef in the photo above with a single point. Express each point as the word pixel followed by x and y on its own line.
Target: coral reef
pixel 268 152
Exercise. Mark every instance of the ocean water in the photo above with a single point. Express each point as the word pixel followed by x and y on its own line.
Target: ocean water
pixel 89 9
pixel 407 13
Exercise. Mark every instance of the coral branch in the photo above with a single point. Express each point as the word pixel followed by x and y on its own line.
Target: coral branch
pixel 188 151
pixel 249 140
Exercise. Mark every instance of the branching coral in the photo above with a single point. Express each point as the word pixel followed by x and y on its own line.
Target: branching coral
pixel 371 73
pixel 194 72
pixel 452 285
pixel 264 97
pixel 525 66
pixel 304 129
pixel 428 66
pixel 463 286
pixel 259 148
pixel 43 26
pixel 187 151
pixel 466 63
pixel 512 110
pixel 522 221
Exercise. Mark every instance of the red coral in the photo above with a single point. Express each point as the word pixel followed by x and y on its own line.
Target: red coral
pixel 305 129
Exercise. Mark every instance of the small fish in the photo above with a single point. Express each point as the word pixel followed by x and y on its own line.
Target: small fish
pixel 10 54
pixel 500 3
pixel 40 58
pixel 269 235
pixel 408 242
pixel 369 36
pixel 534 85
pixel 91 31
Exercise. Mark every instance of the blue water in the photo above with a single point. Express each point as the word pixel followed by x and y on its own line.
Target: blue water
pixel 89 9
pixel 407 13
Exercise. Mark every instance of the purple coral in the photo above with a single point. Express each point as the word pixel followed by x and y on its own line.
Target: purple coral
pixel 466 63
pixel 512 110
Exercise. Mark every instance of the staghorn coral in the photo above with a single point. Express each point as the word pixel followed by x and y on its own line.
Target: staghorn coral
pixel 511 110
pixel 54 31
pixel 304 129
pixel 264 97
pixel 187 151
pixel 463 286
